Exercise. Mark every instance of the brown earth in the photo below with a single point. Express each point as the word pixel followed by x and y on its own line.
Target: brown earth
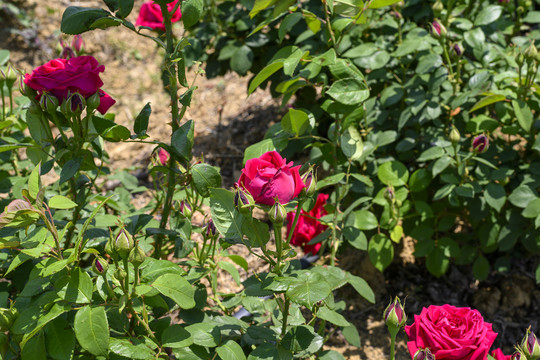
pixel 226 122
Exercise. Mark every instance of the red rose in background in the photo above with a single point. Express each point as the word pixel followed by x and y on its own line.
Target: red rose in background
pixel 150 15
pixel 61 77
pixel 498 355
pixel 307 228
pixel 451 333
pixel 269 177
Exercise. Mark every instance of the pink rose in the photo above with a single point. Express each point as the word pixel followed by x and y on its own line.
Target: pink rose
pixel 163 156
pixel 269 177
pixel 307 227
pixel 151 16
pixel 60 77
pixel 498 355
pixel 451 333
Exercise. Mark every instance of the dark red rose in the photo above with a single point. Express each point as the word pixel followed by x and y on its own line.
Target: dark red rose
pixel 151 16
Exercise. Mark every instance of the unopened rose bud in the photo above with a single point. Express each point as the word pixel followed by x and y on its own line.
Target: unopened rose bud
pixel 277 213
pixel 530 345
pixel 93 101
pixel 390 195
pixel 438 30
pixel 77 43
pixel 311 183
pixel 518 355
pixel 454 135
pixel 10 76
pixel 74 104
pixel 438 7
pixel 211 230
pixel 100 266
pixel 109 246
pixel 397 15
pixel 243 201
pixel 123 243
pixel 530 53
pixel 120 274
pixel 185 209
pixel 480 143
pixel 136 256
pixel 394 316
pixel 423 354
pixel 163 156
pixel 456 51
pixel 49 102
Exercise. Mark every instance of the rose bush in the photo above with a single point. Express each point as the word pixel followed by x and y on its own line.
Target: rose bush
pixel 451 333
pixel 61 77
pixel 270 177
pixel 308 227
pixel 150 15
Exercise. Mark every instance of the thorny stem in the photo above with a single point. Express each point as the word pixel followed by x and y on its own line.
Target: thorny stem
pixel 173 89
pixel 279 245
pixel 295 221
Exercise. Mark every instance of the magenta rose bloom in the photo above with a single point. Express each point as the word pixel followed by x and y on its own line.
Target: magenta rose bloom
pixel 499 355
pixel 60 77
pixel 151 16
pixel 269 177
pixel 451 333
pixel 307 228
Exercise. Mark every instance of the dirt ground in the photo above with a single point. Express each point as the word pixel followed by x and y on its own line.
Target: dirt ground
pixel 226 122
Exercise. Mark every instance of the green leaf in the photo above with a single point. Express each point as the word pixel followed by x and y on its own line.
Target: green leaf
pixel 488 100
pixel 204 177
pixel 231 351
pixel 267 351
pixel 227 220
pixel 365 220
pixel 182 140
pixel 441 164
pixel 177 288
pixel 77 20
pixel 175 336
pixel 191 12
pixel 420 180
pixel 495 196
pixel 437 262
pixel 302 340
pixel 141 121
pixel 60 339
pixel 155 268
pixel 240 261
pixel 351 335
pixel 125 348
pixel 332 317
pixel 295 122
pixel 264 74
pixel 308 289
pixel 231 269
pixel 35 350
pixel 92 330
pixel 349 91
pixel 532 210
pixel 522 196
pixel 393 173
pixel 291 62
pixel 204 334
pixel 352 144
pixel 257 149
pixel 34 182
pixel 392 95
pixel 55 311
pixel 61 202
pixel 481 268
pixel 431 154
pixel 488 15
pixel 69 169
pixel 260 5
pixel 381 251
pixel 79 288
pixel 330 180
pixel 523 114
pixel 242 59
pixel 375 4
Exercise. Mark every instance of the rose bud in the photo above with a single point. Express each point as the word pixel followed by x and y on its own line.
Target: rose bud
pixel 310 182
pixel 390 195
pixel 394 316
pixel 163 156
pixel 530 53
pixel 120 274
pixel 136 256
pixel 77 43
pixel 277 213
pixel 185 208
pixel 243 201
pixel 123 243
pixel 100 266
pixel 7 318
pixel 437 29
pixel 454 135
pixel 518 355
pixel 480 143
pixel 456 50
pixel 424 354
pixel 211 230
pixel 49 102
pixel 10 76
pixel 530 345
pixel 74 104
pixel 93 101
